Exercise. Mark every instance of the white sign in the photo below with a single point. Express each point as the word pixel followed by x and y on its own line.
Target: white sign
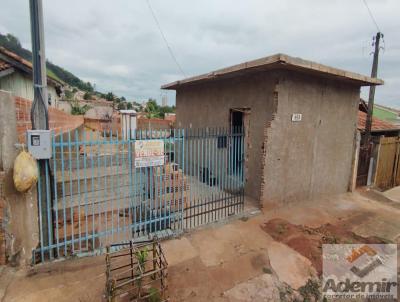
pixel 149 153
pixel 296 117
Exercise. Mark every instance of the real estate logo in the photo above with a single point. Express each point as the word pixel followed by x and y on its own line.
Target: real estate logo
pixel 360 271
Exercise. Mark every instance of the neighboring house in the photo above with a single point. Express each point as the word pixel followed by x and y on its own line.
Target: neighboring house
pixel 16 77
pixel 170 117
pixel 387 114
pixel 100 113
pixel 379 127
pixel 300 121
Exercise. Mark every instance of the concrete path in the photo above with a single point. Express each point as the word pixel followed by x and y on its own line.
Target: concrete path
pixel 237 261
pixel 393 194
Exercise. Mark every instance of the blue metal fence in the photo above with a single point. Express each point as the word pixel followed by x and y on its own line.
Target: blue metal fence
pixel 102 190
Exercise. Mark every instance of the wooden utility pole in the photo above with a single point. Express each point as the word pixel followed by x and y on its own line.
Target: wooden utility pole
pixel 374 73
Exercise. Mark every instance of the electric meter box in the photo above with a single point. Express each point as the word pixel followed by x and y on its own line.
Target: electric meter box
pixel 39 143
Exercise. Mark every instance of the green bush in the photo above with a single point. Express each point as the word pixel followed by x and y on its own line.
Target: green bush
pixel 78 110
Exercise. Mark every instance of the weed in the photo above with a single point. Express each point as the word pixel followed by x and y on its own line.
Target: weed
pixel 154 295
pixel 310 290
pixel 141 256
pixel 267 270
pixel 281 228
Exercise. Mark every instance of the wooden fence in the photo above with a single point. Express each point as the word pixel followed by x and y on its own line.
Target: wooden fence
pixel 387 173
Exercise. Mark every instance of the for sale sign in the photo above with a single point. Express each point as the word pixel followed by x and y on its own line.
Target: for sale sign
pixel 149 153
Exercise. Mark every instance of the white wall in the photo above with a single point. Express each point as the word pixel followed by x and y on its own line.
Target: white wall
pixel 21 85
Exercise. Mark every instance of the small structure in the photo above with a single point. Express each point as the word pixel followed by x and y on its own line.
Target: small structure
pixel 300 121
pixel 136 271
pixel 16 77
pixel 128 122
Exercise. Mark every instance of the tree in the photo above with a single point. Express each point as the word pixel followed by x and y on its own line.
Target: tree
pixel 78 110
pixel 121 106
pixel 152 109
pixel 68 95
pixel 87 96
pixel 13 40
pixel 129 105
pixel 110 97
pixel 166 109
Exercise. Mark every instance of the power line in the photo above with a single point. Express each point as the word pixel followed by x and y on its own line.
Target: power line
pixel 371 15
pixel 165 39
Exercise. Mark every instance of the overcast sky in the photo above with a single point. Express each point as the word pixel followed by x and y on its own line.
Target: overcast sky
pixel 116 44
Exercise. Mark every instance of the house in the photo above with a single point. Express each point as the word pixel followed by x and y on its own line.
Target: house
pixel 16 77
pixel 379 127
pixel 368 154
pixel 387 114
pixel 300 121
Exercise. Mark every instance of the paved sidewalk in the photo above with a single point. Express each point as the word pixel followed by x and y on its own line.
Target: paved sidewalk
pixel 393 194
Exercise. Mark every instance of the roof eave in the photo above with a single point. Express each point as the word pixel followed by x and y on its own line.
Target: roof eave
pixel 279 61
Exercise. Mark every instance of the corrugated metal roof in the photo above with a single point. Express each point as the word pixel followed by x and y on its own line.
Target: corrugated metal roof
pixel 279 61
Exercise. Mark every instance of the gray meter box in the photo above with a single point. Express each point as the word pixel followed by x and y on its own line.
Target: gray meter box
pixel 39 143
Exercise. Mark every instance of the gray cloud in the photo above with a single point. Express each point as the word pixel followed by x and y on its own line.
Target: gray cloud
pixel 117 44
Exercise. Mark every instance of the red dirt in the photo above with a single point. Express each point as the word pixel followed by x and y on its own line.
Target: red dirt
pixel 308 241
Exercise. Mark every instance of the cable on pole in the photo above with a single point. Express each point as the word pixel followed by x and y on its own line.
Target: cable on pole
pixel 165 39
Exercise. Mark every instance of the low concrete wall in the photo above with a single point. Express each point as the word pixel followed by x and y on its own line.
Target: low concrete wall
pixel 20 209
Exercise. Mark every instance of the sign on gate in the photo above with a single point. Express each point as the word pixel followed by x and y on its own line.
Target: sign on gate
pixel 149 153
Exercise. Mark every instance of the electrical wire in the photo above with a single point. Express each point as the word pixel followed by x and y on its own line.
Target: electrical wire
pixel 165 39
pixel 371 15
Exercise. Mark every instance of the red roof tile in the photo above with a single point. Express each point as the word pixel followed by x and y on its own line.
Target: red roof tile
pixel 15 57
pixel 377 124
pixel 4 65
pixel 26 63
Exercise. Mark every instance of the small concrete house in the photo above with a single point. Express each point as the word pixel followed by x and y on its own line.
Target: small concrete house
pixel 300 121
pixel 16 77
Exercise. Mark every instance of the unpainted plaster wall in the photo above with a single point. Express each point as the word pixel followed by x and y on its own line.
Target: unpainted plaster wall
pixel 314 156
pixel 208 105
pixel 21 215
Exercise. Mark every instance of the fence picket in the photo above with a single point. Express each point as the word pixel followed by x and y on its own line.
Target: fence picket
pixel 100 196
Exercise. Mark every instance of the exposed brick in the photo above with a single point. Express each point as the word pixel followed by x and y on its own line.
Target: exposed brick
pixel 58 119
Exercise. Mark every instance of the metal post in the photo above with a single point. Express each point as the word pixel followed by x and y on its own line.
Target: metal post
pixel 39 113
pixel 374 73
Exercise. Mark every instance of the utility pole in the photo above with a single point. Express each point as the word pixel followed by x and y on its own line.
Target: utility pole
pixel 374 73
pixel 39 112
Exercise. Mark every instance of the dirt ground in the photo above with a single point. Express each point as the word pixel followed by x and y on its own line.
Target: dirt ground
pixel 259 258
pixel 308 241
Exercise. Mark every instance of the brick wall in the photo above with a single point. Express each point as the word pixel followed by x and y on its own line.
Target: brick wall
pixel 153 123
pixel 58 119
pixel 104 125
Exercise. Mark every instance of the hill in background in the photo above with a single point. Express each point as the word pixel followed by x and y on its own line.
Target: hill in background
pixel 13 44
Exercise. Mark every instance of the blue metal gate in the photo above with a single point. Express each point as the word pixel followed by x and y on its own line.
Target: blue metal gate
pixel 106 187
